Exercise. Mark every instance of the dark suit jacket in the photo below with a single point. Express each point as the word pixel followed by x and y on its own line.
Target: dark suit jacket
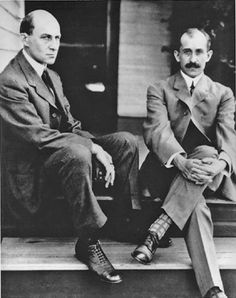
pixel 32 128
pixel 169 110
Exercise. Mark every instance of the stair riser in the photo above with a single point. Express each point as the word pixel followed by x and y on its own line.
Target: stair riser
pixel 224 218
pixel 82 284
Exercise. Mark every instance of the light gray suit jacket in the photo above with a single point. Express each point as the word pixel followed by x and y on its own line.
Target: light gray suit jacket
pixel 169 111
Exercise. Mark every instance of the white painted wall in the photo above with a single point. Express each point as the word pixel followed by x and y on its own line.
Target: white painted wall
pixel 11 13
pixel 141 62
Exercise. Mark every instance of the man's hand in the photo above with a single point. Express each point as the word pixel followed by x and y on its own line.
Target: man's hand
pixel 106 160
pixel 194 169
pixel 213 166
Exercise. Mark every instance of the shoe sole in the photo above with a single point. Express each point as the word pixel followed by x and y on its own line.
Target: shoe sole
pixel 109 282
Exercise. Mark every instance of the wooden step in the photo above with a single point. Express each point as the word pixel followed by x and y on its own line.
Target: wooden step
pixel 46 267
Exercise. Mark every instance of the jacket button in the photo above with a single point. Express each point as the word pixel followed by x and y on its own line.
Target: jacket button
pixel 54 115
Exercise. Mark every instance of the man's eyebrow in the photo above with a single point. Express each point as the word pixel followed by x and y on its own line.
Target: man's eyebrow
pixel 50 35
pixel 45 34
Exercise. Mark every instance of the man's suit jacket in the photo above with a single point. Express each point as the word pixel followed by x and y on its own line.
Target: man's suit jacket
pixel 32 128
pixel 211 107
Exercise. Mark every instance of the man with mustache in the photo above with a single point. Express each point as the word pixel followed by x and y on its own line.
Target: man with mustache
pixel 43 145
pixel 190 132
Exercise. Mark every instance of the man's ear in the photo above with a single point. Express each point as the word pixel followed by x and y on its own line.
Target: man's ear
pixel 176 54
pixel 24 38
pixel 209 54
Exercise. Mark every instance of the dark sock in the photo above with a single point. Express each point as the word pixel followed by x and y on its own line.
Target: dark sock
pixel 90 238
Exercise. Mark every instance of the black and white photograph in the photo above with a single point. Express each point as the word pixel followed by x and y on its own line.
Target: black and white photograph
pixel 118 149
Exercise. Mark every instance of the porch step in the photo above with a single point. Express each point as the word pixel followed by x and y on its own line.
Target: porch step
pixel 46 267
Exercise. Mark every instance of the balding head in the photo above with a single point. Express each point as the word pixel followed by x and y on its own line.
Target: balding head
pixel 31 19
pixel 41 34
pixel 195 32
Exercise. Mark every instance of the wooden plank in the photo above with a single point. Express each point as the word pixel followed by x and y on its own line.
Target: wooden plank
pixel 15 8
pixel 9 41
pixel 9 22
pixel 23 254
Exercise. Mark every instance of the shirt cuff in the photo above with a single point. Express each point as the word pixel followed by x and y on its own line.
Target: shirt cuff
pixel 224 156
pixel 169 164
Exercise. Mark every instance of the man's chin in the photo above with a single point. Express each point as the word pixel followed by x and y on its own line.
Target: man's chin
pixel 50 60
pixel 193 72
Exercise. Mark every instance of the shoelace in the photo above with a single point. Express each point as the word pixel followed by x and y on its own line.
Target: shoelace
pixel 97 251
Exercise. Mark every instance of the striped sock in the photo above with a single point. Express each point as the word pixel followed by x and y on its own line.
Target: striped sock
pixel 161 225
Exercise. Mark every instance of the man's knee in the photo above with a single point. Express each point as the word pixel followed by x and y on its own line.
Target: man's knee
pixel 128 140
pixel 203 151
pixel 75 156
pixel 78 154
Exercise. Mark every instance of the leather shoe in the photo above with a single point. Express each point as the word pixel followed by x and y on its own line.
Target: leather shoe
pixel 215 292
pixel 96 260
pixel 145 252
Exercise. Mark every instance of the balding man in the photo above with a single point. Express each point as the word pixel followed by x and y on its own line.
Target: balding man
pixel 190 132
pixel 43 145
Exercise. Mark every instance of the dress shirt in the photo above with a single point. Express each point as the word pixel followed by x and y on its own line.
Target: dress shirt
pixel 38 67
pixel 189 80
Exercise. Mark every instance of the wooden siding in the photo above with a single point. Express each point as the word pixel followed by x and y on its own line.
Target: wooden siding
pixel 143 32
pixel 11 13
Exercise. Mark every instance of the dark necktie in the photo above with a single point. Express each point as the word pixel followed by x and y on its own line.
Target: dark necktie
pixel 47 81
pixel 192 88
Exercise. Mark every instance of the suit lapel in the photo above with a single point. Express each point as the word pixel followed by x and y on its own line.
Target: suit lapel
pixel 35 81
pixel 199 94
pixel 201 90
pixel 181 88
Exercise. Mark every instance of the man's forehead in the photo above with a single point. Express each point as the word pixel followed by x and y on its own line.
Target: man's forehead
pixel 196 39
pixel 47 25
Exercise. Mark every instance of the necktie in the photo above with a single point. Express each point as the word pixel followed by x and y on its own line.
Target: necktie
pixel 192 88
pixel 47 81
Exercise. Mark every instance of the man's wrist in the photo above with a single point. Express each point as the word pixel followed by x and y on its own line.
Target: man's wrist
pixel 94 148
pixel 178 160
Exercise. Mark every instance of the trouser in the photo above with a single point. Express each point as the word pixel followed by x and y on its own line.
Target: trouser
pixel 71 167
pixel 185 205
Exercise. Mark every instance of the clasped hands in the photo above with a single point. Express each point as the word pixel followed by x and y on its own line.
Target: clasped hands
pixel 106 160
pixel 199 171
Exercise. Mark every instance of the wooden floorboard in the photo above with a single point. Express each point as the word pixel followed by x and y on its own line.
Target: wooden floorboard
pixel 37 254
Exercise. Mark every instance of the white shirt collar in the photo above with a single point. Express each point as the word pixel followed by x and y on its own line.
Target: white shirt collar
pixel 38 67
pixel 189 80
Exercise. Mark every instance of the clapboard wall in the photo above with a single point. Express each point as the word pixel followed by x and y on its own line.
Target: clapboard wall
pixel 143 32
pixel 11 13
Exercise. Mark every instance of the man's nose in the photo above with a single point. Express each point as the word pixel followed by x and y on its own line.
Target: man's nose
pixel 54 44
pixel 193 58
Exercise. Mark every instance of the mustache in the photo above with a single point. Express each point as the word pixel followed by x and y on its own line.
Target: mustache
pixel 192 64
